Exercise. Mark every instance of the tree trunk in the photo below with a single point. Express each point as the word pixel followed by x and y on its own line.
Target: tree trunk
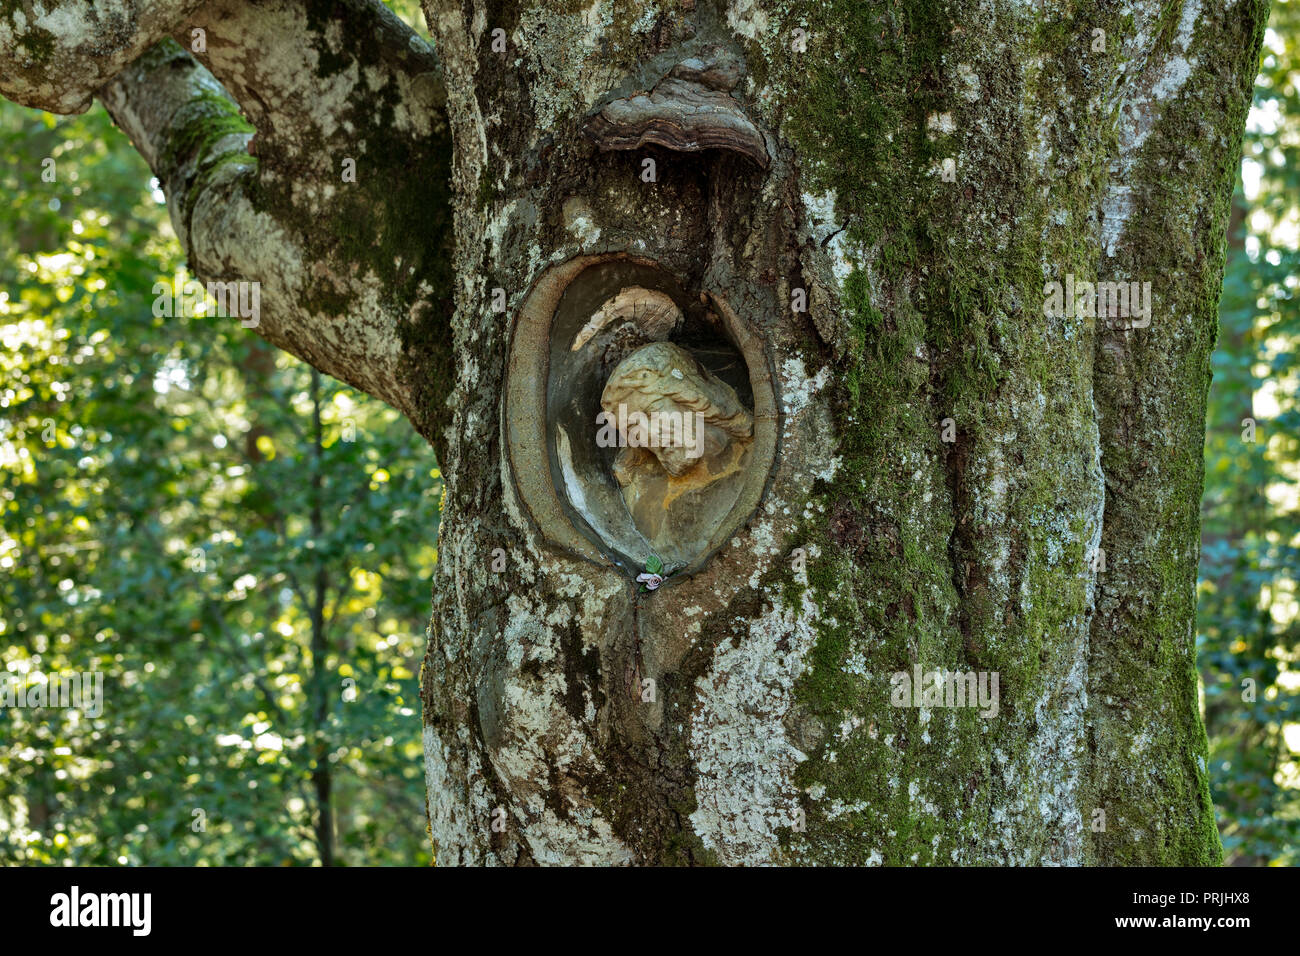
pixel 863 204
pixel 772 736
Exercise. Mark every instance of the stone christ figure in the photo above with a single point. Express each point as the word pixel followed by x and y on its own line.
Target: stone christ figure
pixel 682 431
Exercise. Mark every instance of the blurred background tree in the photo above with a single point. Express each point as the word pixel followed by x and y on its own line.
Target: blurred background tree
pixel 213 525
pixel 1249 629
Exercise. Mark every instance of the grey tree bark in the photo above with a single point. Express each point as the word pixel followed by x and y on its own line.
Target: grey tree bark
pixel 879 195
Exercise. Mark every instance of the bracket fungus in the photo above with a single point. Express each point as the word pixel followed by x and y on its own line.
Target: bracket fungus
pixel 640 420
pixel 690 109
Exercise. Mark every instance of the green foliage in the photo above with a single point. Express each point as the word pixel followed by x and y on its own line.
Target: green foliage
pixel 1249 630
pixel 241 547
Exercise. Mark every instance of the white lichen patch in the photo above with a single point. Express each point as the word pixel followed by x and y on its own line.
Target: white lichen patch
pixel 646 22
pixel 562 51
pixel 797 387
pixel 594 592
pixel 535 741
pixel 579 220
pixel 970 82
pixel 940 124
pixel 457 818
pixel 745 791
pixel 830 233
pixel 1158 83
pixel 747 19
pixel 567 845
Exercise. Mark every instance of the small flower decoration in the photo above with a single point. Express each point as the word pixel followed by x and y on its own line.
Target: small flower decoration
pixel 651 577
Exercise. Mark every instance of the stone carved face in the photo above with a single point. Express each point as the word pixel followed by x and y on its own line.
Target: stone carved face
pixel 665 403
pixel 681 430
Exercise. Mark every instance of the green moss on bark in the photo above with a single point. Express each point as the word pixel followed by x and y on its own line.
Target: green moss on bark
pixel 1158 803
pixel 945 315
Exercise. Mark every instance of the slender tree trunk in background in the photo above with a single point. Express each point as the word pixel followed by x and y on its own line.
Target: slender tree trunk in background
pixel 1236 516
pixel 871 198
pixel 321 775
pixel 257 369
pixel 1234 341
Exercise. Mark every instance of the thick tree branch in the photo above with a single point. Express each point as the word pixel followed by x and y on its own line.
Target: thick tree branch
pixel 190 132
pixel 337 205
pixel 317 77
pixel 54 54
pixel 354 159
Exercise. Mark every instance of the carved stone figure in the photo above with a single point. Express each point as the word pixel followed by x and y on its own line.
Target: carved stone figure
pixel 652 314
pixel 683 438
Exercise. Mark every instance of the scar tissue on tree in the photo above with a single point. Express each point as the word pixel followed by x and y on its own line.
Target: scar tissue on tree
pixel 641 418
